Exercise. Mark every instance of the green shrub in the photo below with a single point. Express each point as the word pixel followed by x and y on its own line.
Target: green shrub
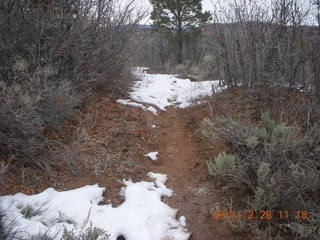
pixel 91 233
pixel 268 122
pixel 252 142
pixel 274 167
pixel 207 127
pixel 223 164
pixel 29 211
pixel 262 134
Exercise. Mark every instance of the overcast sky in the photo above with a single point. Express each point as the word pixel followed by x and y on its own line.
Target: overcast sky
pixel 206 4
pixel 145 3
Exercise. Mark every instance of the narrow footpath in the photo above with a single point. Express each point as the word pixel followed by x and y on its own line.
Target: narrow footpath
pixel 180 159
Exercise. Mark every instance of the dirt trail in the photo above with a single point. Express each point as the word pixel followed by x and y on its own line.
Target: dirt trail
pixel 179 158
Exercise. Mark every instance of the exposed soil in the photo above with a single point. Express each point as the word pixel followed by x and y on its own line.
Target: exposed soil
pixel 181 158
pixel 183 152
pixel 117 137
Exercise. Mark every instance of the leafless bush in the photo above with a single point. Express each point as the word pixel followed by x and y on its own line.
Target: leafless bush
pixel 4 168
pixel 56 106
pixel 251 43
pixel 260 45
pixel 52 54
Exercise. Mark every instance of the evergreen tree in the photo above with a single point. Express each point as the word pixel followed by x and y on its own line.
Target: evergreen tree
pixel 181 16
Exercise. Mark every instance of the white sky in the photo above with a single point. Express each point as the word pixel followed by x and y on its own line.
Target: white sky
pixel 206 4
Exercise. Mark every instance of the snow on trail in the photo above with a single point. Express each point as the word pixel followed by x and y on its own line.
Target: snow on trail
pixel 152 156
pixel 139 105
pixel 163 90
pixel 142 216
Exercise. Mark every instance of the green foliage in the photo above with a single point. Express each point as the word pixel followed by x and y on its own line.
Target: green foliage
pixel 29 211
pixel 223 164
pixel 268 122
pixel 201 191
pixel 183 17
pixel 262 134
pixel 252 142
pixel 277 167
pixel 91 233
pixel 207 128
pixel 283 131
pixel 261 199
pixel 20 65
pixel 178 15
pixel 237 131
pixel 263 171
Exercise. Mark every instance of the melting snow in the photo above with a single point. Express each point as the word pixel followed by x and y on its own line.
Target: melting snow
pixel 139 105
pixel 163 90
pixel 142 216
pixel 152 156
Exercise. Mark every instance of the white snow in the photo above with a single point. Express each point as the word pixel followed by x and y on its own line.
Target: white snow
pixel 182 221
pixel 142 216
pixel 139 105
pixel 163 90
pixel 152 156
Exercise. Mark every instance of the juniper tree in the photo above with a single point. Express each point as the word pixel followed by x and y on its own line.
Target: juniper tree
pixel 182 17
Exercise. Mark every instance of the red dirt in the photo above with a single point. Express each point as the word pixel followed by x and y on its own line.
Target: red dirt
pixel 125 133
pixel 181 160
pixel 182 156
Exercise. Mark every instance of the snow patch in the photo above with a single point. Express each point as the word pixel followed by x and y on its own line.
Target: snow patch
pixel 142 216
pixel 164 90
pixel 152 156
pixel 139 105
pixel 182 221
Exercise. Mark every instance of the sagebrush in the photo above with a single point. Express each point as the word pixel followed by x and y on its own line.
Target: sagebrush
pixel 272 167
pixel 54 54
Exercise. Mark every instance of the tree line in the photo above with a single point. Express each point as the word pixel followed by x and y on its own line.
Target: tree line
pixel 243 42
